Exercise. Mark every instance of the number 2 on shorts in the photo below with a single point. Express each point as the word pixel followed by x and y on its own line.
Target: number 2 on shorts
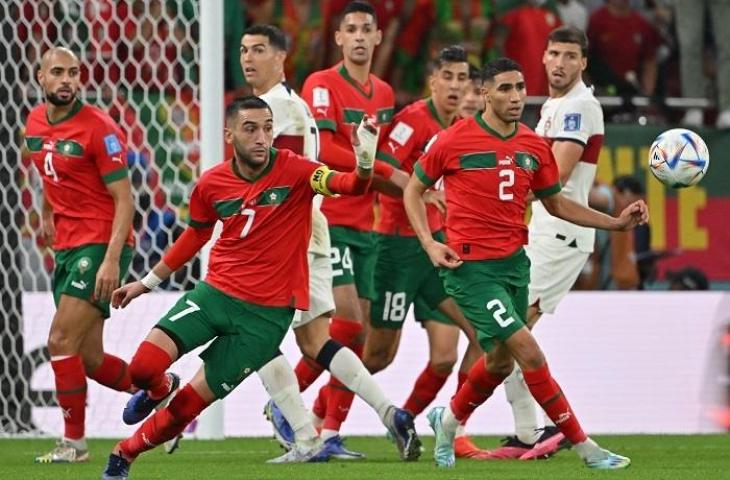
pixel 499 312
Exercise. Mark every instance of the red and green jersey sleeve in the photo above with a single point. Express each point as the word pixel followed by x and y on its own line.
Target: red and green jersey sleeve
pixel 546 180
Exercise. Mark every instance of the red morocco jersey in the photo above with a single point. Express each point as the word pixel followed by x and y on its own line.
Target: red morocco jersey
pixel 487 178
pixel 413 127
pixel 76 157
pixel 261 255
pixel 338 103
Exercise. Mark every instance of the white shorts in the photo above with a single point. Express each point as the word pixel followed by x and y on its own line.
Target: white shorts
pixel 554 269
pixel 321 299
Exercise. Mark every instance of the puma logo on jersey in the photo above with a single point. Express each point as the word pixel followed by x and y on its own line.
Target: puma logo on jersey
pixel 507 160
pixel 81 285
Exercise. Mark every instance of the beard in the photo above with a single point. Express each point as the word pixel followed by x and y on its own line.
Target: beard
pixel 59 102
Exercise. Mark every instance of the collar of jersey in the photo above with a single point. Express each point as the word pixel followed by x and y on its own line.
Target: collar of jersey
pixel 76 108
pixel 264 172
pixel 346 75
pixel 434 112
pixel 491 131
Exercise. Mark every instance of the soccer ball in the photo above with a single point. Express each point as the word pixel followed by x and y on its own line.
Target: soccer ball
pixel 679 158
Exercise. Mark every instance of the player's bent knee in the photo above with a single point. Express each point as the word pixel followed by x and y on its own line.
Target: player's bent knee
pixel 501 368
pixel 187 405
pixel 377 361
pixel 63 342
pixel 443 366
pixel 148 363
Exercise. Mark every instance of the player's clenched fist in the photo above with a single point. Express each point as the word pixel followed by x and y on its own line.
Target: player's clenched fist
pixel 365 142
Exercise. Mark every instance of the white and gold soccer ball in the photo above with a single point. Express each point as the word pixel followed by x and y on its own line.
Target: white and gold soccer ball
pixel 679 158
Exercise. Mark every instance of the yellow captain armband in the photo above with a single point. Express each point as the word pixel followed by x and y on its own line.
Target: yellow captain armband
pixel 318 180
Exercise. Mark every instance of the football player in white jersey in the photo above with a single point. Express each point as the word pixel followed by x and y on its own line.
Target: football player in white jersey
pixel 263 51
pixel 571 120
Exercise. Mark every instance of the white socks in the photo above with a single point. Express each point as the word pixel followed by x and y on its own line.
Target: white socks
pixel 524 407
pixel 589 450
pixel 281 384
pixel 349 369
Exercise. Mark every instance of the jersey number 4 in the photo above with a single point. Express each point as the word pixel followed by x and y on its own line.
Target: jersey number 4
pixel 48 166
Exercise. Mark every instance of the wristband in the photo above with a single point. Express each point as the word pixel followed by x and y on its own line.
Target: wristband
pixel 151 281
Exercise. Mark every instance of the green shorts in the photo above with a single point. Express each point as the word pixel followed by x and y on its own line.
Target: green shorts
pixel 423 312
pixel 353 259
pixel 403 274
pixel 246 335
pixel 76 268
pixel 492 294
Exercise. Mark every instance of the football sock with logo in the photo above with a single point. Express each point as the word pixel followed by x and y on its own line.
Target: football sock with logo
pixel 427 386
pixel 479 386
pixel 524 408
pixel 164 424
pixel 148 368
pixel 550 397
pixel 71 393
pixel 281 384
pixel 113 373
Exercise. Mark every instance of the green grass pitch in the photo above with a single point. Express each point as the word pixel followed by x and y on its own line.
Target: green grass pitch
pixel 705 457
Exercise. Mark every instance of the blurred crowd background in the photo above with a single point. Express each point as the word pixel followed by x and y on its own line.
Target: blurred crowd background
pixel 653 63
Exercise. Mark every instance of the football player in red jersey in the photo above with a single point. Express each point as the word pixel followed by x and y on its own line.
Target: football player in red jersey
pixel 255 280
pixel 87 218
pixel 338 98
pixel 403 273
pixel 490 163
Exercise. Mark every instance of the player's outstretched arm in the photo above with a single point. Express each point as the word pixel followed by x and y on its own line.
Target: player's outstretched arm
pixel 560 206
pixel 441 255
pixel 184 248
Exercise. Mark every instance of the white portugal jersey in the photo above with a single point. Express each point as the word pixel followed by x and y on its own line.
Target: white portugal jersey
pixel 292 118
pixel 574 117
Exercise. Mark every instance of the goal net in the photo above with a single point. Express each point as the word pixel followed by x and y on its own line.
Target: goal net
pixel 139 63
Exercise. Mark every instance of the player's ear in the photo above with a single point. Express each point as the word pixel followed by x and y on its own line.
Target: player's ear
pixel 583 64
pixel 228 135
pixel 338 38
pixel 378 37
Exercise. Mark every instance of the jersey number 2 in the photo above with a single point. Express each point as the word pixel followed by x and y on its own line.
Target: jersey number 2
pixel 499 312
pixel 508 180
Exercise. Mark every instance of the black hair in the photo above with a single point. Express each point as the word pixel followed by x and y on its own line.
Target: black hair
pixel 570 34
pixel 630 183
pixel 276 37
pixel 361 7
pixel 474 74
pixel 497 66
pixel 450 54
pixel 245 103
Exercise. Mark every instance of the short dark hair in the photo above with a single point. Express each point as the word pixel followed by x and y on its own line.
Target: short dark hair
pixel 570 34
pixel 629 183
pixel 497 66
pixel 276 37
pixel 361 7
pixel 474 74
pixel 450 54
pixel 249 102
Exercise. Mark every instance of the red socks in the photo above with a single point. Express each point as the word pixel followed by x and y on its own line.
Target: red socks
pixel 548 394
pixel 71 393
pixel 164 424
pixel 148 368
pixel 339 398
pixel 113 373
pixel 427 386
pixel 479 386
pixel 307 372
